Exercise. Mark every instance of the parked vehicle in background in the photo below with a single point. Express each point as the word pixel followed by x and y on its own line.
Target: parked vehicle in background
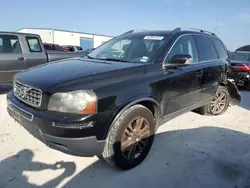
pixel 89 50
pixel 20 51
pixel 240 66
pixel 112 106
pixel 70 48
pixel 52 47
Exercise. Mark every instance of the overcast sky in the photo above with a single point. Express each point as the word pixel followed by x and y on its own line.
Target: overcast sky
pixel 229 19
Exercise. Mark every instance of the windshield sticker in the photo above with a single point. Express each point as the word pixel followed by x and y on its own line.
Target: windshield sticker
pixel 153 37
pixel 144 59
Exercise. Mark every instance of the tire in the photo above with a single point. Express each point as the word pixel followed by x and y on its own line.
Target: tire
pixel 113 153
pixel 208 108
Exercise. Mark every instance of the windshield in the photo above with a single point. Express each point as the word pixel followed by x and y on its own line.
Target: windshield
pixel 130 48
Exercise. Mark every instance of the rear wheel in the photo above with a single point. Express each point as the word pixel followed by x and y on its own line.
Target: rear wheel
pixel 219 104
pixel 130 138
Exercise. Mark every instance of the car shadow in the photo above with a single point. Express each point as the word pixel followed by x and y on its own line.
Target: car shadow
pixel 192 158
pixel 204 157
pixel 12 170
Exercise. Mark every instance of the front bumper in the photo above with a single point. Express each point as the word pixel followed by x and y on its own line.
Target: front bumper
pixel 76 141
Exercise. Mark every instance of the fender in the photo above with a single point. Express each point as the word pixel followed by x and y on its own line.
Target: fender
pixel 133 101
pixel 137 100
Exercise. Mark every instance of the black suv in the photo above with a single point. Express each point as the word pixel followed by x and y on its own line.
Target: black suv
pixel 111 102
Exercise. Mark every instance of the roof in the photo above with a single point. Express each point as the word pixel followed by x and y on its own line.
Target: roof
pixel 177 30
pixel 245 48
pixel 164 33
pixel 68 31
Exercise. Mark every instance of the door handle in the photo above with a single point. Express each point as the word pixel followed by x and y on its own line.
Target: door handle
pixel 199 73
pixel 20 58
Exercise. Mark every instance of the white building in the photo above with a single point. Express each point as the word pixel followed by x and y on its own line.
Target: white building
pixel 62 37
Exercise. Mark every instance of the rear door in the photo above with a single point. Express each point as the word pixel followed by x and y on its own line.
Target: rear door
pixel 213 63
pixel 12 59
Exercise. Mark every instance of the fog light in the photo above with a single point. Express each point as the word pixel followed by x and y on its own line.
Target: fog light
pixel 73 125
pixel 247 76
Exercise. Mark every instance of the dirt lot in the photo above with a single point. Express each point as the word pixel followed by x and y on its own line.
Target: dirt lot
pixel 189 151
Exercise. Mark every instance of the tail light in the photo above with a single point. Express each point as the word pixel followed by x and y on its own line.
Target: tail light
pixel 243 67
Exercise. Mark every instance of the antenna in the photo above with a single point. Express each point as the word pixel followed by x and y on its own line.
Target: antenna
pixel 178 29
pixel 131 31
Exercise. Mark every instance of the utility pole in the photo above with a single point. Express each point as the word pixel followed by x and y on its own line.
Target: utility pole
pixel 53 36
pixel 216 28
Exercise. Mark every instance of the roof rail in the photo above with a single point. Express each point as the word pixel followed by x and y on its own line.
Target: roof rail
pixel 203 31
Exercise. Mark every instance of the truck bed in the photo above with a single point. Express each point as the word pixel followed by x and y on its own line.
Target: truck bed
pixel 21 51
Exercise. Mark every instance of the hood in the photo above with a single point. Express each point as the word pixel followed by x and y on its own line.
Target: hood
pixel 60 72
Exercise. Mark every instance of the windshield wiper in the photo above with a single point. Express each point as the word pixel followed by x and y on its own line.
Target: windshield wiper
pixel 113 59
pixel 90 57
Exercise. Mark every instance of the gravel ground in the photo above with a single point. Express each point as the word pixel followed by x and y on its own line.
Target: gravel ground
pixel 189 151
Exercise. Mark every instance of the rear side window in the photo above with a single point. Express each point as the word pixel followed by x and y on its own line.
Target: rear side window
pixel 48 47
pixel 206 51
pixel 221 51
pixel 34 45
pixel 9 44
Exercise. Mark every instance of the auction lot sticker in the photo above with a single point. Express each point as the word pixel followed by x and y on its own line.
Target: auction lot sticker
pixel 153 37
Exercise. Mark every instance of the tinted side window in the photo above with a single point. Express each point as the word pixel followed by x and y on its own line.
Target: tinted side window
pixel 205 48
pixel 47 47
pixel 184 45
pixel 9 44
pixel 34 45
pixel 222 53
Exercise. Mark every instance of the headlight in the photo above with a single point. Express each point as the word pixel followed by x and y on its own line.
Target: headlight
pixel 78 102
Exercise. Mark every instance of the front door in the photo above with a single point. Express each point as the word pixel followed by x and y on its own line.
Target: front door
pixel 12 59
pixel 183 85
pixel 36 54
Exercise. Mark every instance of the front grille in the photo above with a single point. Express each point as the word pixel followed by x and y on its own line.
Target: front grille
pixel 27 94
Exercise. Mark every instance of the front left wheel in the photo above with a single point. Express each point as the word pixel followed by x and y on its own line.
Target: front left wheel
pixel 130 138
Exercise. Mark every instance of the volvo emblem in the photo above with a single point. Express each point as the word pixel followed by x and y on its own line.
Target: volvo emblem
pixel 22 92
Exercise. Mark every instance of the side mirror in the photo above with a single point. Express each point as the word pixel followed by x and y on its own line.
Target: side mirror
pixel 181 59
